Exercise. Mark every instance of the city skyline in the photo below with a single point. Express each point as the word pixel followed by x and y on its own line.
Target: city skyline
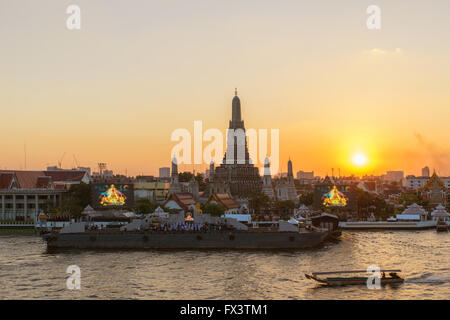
pixel 343 91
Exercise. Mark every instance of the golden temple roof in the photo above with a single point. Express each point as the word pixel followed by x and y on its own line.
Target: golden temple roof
pixel 433 182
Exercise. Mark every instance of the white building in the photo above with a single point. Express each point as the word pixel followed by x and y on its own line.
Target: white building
pixel 413 212
pixel 24 194
pixel 415 183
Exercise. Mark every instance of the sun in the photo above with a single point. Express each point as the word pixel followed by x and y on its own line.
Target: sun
pixel 359 159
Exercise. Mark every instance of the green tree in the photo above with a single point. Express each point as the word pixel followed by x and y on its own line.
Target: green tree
pixel 78 197
pixel 284 206
pixel 213 209
pixel 258 200
pixel 144 205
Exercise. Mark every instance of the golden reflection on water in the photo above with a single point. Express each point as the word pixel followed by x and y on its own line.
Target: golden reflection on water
pixel 28 271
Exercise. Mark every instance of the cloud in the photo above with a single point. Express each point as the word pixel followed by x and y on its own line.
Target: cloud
pixel 382 52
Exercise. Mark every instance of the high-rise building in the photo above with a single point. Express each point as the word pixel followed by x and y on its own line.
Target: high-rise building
pixel 426 172
pixel 164 172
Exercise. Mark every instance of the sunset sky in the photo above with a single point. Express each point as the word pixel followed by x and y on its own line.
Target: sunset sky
pixel 137 70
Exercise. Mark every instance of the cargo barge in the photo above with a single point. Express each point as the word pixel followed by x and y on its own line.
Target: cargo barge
pixel 178 231
pixel 238 239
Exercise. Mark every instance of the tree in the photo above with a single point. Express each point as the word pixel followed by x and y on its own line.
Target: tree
pixel 369 203
pixel 213 209
pixel 284 205
pixel 185 176
pixel 307 199
pixel 76 199
pixel 201 182
pixel 144 205
pixel 258 200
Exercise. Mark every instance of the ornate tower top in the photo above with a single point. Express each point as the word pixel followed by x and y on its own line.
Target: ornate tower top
pixel 236 111
pixel 174 166
pixel 290 171
pixel 267 167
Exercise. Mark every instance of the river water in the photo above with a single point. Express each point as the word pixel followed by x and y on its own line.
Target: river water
pixel 28 271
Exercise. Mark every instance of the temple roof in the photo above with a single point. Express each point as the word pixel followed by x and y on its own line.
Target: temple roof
pixel 414 209
pixel 225 200
pixel 183 199
pixel 440 212
pixel 434 183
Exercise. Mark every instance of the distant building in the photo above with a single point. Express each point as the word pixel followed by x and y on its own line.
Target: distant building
pixel 305 175
pixel 416 183
pixel 435 191
pixel 393 176
pixel 425 172
pixel 164 172
pixel 267 187
pixel 175 186
pixel 225 201
pixel 24 194
pixel 285 187
pixel 145 179
pixel 180 201
pixel 154 191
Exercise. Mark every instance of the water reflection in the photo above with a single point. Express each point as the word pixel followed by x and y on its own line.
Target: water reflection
pixel 28 270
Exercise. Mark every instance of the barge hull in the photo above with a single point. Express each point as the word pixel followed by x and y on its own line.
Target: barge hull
pixel 238 240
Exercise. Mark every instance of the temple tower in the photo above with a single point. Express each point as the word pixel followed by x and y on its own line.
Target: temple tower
pixel 174 182
pixel 237 169
pixel 267 187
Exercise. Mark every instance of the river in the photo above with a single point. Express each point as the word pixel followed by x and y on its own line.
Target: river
pixel 28 271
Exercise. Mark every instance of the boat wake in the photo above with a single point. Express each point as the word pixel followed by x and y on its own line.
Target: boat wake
pixel 430 278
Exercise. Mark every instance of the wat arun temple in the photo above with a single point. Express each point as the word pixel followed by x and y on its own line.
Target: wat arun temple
pixel 236 174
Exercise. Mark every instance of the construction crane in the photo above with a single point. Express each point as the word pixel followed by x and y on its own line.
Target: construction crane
pixel 76 162
pixel 60 160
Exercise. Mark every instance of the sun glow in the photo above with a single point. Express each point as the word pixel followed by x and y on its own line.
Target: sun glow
pixel 359 159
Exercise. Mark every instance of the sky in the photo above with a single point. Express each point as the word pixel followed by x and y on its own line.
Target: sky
pixel 115 90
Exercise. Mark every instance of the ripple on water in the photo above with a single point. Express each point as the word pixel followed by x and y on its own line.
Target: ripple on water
pixel 27 271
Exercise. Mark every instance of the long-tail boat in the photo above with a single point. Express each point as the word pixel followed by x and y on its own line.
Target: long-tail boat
pixel 358 280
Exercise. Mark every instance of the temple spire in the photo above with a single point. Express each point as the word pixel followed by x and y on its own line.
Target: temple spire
pixel 236 119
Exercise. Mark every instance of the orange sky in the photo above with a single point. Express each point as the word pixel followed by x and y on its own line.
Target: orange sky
pixel 116 89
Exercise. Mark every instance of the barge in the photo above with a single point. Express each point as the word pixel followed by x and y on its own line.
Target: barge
pixel 180 232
